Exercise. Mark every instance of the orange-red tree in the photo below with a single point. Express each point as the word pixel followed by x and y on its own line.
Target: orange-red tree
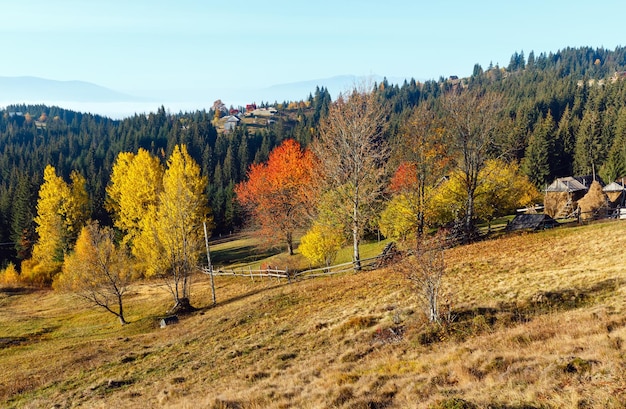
pixel 277 193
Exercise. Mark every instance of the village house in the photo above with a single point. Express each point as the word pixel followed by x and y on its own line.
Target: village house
pixel 231 123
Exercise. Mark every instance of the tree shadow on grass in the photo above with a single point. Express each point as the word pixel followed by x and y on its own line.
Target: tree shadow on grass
pixel 239 297
pixel 18 290
pixel 241 255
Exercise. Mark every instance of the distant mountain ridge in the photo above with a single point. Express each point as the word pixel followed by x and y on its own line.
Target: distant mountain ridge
pixel 84 96
pixel 35 89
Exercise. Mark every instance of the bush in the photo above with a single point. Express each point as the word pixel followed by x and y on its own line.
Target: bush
pixel 39 274
pixel 9 277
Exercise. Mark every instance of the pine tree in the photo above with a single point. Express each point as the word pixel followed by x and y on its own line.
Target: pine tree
pixel 587 156
pixel 536 163
pixel 22 222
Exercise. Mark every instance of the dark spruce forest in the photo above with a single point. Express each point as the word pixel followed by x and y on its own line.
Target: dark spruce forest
pixel 565 115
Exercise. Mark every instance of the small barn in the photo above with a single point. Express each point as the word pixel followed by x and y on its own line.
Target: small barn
pixel 531 222
pixel 560 200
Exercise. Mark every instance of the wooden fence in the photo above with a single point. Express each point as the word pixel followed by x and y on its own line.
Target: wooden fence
pixel 366 264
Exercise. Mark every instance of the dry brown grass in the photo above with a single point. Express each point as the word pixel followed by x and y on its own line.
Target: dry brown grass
pixel 540 322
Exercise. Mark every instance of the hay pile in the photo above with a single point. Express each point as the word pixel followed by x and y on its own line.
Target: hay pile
pixel 614 197
pixel 593 202
pixel 553 202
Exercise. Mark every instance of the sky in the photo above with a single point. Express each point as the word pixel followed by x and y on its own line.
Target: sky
pixel 204 50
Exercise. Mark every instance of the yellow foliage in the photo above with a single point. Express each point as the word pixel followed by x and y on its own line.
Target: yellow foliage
pixel 9 276
pixel 321 244
pixel 136 182
pixel 75 206
pixel 170 237
pixel 502 188
pixel 399 219
pixel 96 263
pixel 49 218
pixel 61 212
pixel 39 273
pixel 98 271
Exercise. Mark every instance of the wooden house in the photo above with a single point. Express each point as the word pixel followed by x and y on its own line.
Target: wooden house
pixel 231 123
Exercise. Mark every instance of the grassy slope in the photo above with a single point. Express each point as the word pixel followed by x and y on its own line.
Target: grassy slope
pixel 540 322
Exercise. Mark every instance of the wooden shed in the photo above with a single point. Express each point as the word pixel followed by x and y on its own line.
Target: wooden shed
pixel 532 222
pixel 615 193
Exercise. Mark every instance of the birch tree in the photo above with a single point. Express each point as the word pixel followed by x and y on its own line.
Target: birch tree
pixel 472 121
pixel 353 152
pixel 97 271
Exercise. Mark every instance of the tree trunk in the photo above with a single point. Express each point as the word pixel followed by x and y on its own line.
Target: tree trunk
pixel 356 257
pixel 468 223
pixel 182 306
pixel 355 243
pixel 290 243
pixel 121 314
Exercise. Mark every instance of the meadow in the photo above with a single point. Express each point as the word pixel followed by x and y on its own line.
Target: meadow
pixel 534 320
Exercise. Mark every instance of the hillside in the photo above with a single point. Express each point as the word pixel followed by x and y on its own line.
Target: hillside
pixel 539 321
pixel 33 89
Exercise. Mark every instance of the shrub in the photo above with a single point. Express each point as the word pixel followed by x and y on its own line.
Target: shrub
pixel 9 277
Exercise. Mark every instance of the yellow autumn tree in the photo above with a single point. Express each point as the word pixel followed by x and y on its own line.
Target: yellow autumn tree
pixel 501 188
pixel 62 209
pixel 133 192
pixel 321 244
pixel 75 207
pixel 399 220
pixel 171 239
pixel 97 271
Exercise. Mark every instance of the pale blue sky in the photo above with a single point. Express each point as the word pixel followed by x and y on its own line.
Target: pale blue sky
pixel 148 47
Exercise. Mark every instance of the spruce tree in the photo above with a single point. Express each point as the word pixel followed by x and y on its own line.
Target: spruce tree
pixel 536 163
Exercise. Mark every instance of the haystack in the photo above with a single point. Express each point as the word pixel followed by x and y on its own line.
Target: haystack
pixel 593 202
pixel 554 202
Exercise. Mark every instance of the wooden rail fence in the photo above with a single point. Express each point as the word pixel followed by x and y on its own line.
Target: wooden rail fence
pixel 366 264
